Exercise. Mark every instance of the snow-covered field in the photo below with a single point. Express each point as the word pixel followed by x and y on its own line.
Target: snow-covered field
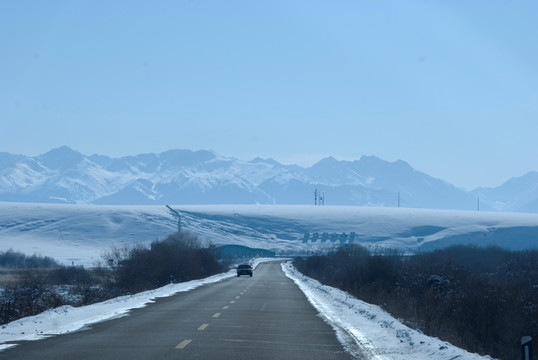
pixel 356 323
pixel 80 234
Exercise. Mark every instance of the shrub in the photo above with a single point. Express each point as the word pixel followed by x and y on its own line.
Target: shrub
pixel 30 297
pixel 178 258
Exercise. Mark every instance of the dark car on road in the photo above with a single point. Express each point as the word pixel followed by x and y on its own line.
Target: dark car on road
pixel 244 269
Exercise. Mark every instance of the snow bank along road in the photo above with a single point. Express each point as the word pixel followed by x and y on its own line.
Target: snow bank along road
pixel 264 317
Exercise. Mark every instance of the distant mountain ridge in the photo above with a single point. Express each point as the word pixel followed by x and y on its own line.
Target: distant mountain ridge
pixel 64 175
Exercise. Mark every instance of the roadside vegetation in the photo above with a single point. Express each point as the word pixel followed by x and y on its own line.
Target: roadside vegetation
pixel 480 299
pixel 32 284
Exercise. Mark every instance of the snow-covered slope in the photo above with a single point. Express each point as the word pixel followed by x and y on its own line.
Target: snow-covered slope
pixel 81 233
pixel 66 176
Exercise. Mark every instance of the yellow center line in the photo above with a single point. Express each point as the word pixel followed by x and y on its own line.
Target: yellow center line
pixel 203 327
pixel 216 315
pixel 183 344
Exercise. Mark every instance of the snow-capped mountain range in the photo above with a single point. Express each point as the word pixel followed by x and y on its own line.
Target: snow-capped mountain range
pixel 64 175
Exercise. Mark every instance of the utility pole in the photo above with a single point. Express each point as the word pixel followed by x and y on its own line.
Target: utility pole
pixel 478 204
pixel 315 197
pixel 176 213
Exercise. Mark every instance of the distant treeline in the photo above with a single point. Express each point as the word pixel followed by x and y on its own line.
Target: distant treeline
pixel 481 299
pixel 12 259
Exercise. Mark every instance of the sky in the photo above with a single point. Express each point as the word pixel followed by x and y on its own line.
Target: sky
pixel 451 87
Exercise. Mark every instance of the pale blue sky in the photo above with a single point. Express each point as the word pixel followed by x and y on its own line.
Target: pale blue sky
pixel 449 86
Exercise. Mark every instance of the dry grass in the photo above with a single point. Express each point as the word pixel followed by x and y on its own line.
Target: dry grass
pixel 10 276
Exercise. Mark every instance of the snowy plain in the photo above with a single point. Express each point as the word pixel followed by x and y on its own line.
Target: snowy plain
pixel 360 327
pixel 80 234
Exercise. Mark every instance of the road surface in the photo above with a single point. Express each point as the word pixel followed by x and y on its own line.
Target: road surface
pixel 261 317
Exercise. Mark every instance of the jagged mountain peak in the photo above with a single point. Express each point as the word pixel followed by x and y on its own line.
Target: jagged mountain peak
pixel 205 177
pixel 374 161
pixel 370 158
pixel 62 151
pixel 326 164
pixel 268 161
pixel 365 162
pixel 186 157
pixel 60 158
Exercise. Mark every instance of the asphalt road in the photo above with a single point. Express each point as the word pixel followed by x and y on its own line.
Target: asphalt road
pixel 261 317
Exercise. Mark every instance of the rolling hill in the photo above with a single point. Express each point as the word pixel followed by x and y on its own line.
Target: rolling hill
pixel 80 234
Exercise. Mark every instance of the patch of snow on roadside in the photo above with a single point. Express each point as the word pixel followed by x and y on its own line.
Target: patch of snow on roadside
pixel 376 332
